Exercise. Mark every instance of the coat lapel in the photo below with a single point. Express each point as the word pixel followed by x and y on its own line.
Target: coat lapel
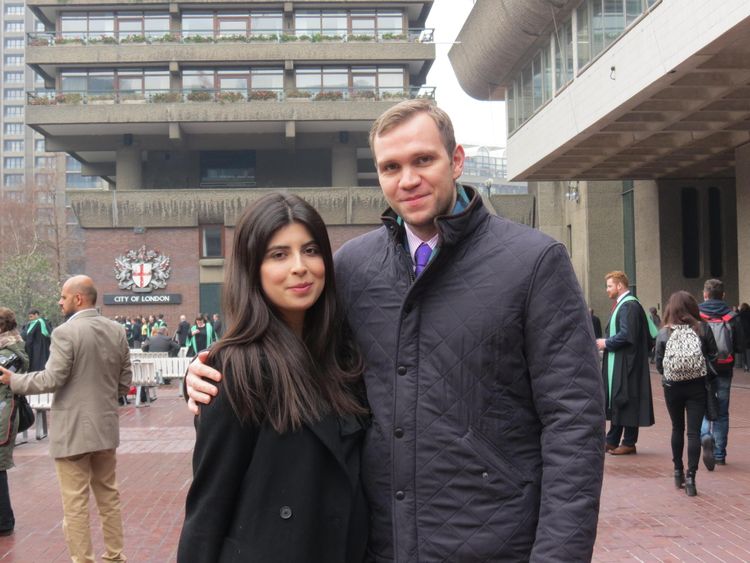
pixel 327 431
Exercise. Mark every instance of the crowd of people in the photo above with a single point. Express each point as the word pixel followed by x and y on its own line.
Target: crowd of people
pixel 395 403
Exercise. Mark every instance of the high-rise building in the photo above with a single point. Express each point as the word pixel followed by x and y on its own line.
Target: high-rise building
pixel 191 110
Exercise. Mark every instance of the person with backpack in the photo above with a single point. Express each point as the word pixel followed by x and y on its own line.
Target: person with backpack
pixel 685 355
pixel 730 343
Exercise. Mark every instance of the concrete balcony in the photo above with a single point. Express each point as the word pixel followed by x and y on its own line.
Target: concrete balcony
pixel 47 52
pixel 189 208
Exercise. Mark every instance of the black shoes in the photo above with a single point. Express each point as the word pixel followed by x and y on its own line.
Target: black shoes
pixel 690 489
pixel 7 532
pixel 679 478
pixel 708 443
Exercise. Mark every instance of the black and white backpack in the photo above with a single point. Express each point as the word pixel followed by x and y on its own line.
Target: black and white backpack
pixel 683 357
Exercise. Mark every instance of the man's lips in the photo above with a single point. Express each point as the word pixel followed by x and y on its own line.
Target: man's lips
pixel 414 199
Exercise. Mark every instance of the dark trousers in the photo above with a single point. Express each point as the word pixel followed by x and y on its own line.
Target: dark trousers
pixel 7 519
pixel 616 432
pixel 686 400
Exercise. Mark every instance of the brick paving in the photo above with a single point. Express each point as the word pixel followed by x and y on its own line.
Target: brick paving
pixel 643 517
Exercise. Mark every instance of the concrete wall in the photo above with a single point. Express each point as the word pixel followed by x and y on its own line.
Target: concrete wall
pixel 742 157
pixel 670 237
pixel 647 244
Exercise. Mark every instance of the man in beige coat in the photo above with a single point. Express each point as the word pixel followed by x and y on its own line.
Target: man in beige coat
pixel 88 368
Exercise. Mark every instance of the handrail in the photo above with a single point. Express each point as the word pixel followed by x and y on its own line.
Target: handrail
pixel 226 95
pixel 50 38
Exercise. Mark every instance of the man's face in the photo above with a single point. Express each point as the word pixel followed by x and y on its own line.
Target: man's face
pixel 416 173
pixel 613 288
pixel 69 301
pixel 33 316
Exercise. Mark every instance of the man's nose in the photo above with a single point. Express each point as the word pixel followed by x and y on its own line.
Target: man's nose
pixel 409 178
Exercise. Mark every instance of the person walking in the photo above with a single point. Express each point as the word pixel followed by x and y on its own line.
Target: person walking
pixel 730 344
pixel 277 455
pixel 685 356
pixel 627 381
pixel 11 344
pixel 88 368
pixel 744 313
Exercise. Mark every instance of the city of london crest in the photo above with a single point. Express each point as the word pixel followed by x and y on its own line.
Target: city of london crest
pixel 142 270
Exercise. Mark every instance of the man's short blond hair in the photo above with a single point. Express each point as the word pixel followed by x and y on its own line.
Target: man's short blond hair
pixel 618 276
pixel 404 111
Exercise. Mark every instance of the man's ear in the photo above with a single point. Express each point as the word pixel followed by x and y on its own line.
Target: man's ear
pixel 458 159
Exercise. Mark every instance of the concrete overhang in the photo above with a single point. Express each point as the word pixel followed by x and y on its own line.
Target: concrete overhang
pixel 669 99
pixel 496 36
pixel 48 60
pixel 108 209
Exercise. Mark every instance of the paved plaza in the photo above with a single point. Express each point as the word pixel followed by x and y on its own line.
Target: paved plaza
pixel 643 517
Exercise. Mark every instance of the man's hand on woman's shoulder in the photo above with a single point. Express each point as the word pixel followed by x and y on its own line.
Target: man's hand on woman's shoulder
pixel 198 389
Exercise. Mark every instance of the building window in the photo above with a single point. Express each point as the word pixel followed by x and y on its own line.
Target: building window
pixel 564 54
pixel 690 233
pixel 715 238
pixel 39 145
pixel 75 180
pixel 13 146
pixel 121 26
pixel 14 27
pixel 44 162
pixel 353 81
pixel 12 180
pixel 13 60
pixel 235 23
pixel 14 9
pixel 13 111
pixel 212 241
pixel 227 168
pixel 341 23
pixel 13 162
pixel 13 128
pixel 13 93
pixel 14 43
pixel 242 80
pixel 13 77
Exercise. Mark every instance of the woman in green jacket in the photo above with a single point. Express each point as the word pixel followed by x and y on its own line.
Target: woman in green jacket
pixel 11 344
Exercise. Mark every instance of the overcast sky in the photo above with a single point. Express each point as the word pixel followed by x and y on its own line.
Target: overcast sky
pixel 475 122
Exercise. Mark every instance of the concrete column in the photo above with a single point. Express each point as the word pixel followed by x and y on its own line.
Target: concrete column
pixel 344 166
pixel 129 168
pixel 742 158
pixel 648 244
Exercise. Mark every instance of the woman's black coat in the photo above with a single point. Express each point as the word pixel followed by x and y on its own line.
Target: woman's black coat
pixel 258 495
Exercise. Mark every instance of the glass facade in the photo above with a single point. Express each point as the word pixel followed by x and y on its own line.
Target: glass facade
pixel 574 43
pixel 120 25
pixel 343 23
pixel 221 23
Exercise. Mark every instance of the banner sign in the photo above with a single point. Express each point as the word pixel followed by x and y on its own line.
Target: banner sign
pixel 143 299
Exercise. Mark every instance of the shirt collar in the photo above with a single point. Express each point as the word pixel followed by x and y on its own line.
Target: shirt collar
pixel 622 296
pixel 74 315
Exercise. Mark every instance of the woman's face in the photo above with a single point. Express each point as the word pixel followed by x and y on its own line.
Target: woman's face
pixel 292 273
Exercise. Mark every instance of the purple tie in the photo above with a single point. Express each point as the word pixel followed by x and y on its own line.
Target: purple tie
pixel 421 257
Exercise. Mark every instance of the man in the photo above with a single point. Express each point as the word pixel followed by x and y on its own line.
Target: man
pixel 88 368
pixel 596 324
pixel 730 341
pixel 488 419
pixel 161 343
pixel 183 331
pixel 627 380
pixel 36 336
pixel 201 336
pixel 218 328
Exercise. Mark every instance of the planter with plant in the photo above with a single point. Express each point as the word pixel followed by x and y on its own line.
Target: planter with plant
pixel 229 97
pixel 329 96
pixel 200 96
pixel 165 98
pixel 263 95
pixel 70 98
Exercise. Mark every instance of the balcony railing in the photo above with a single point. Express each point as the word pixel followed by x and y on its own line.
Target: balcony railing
pixel 45 39
pixel 227 96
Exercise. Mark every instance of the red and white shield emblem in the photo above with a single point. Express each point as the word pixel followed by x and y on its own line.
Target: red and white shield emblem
pixel 141 273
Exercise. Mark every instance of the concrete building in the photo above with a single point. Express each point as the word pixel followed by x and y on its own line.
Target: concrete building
pixel 630 119
pixel 190 110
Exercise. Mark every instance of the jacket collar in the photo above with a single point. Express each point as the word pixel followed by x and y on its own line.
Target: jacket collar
pixel 452 227
pixel 83 313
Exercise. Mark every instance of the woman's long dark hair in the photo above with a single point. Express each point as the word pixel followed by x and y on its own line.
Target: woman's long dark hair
pixel 276 376
pixel 682 309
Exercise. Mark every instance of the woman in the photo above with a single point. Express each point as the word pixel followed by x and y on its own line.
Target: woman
pixel 276 460
pixel 685 356
pixel 11 344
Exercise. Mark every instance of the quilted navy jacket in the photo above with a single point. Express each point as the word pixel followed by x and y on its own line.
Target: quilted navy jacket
pixel 488 430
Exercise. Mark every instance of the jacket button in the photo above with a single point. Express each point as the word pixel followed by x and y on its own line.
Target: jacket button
pixel 398 432
pixel 285 512
pixel 400 495
pixel 401 370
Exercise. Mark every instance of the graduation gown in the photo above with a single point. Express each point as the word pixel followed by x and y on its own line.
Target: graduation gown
pixel 37 341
